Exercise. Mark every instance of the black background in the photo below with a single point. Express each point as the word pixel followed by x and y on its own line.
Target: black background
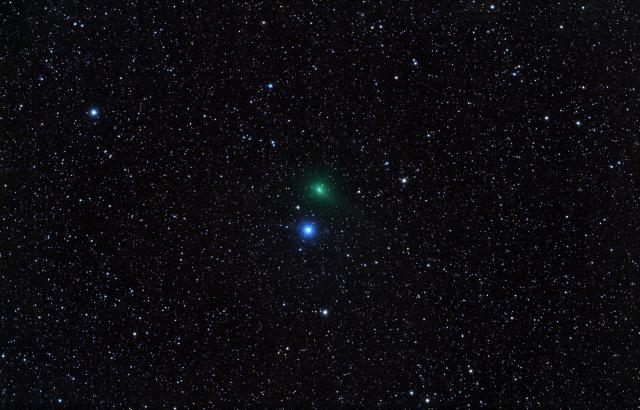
pixel 503 273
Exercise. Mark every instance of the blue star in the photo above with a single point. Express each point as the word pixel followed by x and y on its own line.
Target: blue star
pixel 94 113
pixel 270 86
pixel 308 230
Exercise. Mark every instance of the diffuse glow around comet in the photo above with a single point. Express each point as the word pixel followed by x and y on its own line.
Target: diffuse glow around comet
pixel 319 190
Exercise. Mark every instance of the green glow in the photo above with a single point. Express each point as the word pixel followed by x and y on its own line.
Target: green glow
pixel 319 189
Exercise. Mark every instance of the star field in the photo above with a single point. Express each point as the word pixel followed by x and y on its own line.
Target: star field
pixel 319 205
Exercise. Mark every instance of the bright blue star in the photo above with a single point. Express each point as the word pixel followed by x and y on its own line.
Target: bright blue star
pixel 94 113
pixel 308 230
pixel 270 86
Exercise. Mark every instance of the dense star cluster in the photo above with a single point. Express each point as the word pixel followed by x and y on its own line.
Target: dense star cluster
pixel 319 205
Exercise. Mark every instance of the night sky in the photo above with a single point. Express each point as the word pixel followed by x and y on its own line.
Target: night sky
pixel 319 205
